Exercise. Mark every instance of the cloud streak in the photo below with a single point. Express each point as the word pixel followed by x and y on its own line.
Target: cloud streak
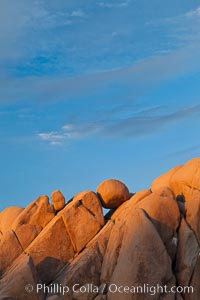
pixel 137 77
pixel 134 125
pixel 78 13
pixel 193 13
pixel 114 5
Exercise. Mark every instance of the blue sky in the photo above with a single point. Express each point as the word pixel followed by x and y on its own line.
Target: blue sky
pixel 91 90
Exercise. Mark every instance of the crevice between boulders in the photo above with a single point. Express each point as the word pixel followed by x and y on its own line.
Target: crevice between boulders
pixel 18 240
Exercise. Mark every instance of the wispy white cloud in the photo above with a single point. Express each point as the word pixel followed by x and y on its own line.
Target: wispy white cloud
pixel 186 25
pixel 148 124
pixel 45 29
pixel 114 4
pixel 138 78
pixel 55 143
pixel 195 12
pixel 121 124
pixel 70 132
pixel 50 136
pixel 78 13
pixel 187 151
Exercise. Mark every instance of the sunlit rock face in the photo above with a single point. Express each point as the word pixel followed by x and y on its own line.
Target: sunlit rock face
pixel 112 193
pixel 146 247
pixel 58 200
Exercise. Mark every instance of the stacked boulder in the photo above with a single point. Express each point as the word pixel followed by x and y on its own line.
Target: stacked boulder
pixel 147 239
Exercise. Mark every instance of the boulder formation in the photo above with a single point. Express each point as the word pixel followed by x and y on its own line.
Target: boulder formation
pixel 112 193
pixel 146 247
pixel 58 200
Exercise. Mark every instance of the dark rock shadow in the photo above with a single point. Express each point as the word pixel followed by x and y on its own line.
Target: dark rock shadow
pixel 181 204
pixel 49 268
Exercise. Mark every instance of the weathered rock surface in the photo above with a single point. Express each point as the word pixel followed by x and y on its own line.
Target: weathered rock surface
pixel 92 202
pixel 182 180
pixel 137 260
pixel 58 200
pixel 19 282
pixel 67 234
pixel 164 180
pixel 83 219
pixel 194 282
pixel 51 250
pixel 4 297
pixel 164 213
pixel 32 220
pixel 54 297
pixel 142 249
pixel 86 267
pixel 113 193
pixel 187 254
pixel 10 249
pixel 8 216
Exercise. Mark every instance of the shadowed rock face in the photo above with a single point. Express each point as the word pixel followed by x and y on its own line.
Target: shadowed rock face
pixel 145 248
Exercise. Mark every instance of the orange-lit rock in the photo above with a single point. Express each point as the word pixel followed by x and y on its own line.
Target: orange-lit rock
pixel 136 260
pixel 163 210
pixel 92 202
pixel 153 238
pixel 58 200
pixel 8 216
pixel 112 193
pixel 164 180
pixel 188 175
pixel 83 220
pixel 86 267
pixel 51 250
pixel 182 180
pixel 10 249
pixel 32 220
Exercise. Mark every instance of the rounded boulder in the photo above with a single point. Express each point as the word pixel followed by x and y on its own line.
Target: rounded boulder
pixel 112 193
pixel 8 216
pixel 58 200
